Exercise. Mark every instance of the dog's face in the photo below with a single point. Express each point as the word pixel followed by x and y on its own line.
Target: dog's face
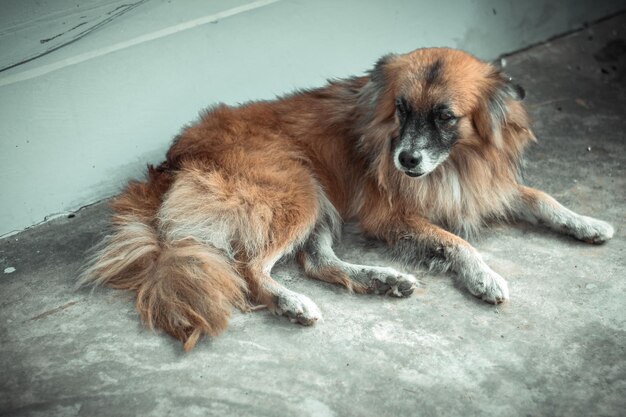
pixel 427 133
pixel 441 96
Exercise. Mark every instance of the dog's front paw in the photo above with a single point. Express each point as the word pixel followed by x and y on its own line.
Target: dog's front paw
pixel 387 281
pixel 489 286
pixel 593 230
pixel 299 308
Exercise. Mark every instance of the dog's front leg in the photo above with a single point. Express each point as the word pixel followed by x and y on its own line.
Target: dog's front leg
pixel 417 241
pixel 538 207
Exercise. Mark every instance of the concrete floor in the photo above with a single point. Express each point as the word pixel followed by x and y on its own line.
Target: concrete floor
pixel 556 349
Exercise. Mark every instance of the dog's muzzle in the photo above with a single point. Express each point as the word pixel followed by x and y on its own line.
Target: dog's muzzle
pixel 409 161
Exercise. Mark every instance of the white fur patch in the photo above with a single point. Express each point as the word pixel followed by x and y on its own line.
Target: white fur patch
pixel 383 280
pixel 428 160
pixel 211 228
pixel 478 278
pixel 561 219
pixel 451 179
pixel 298 307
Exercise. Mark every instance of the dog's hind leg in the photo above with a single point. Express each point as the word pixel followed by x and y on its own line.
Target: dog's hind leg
pixel 320 261
pixel 254 218
pixel 278 299
pixel 536 206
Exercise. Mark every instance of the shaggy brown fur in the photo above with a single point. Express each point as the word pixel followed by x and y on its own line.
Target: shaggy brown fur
pixel 248 185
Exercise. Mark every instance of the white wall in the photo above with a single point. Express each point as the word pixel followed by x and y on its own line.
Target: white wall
pixel 78 122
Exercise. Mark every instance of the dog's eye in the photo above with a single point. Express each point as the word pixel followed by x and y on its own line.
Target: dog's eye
pixel 446 116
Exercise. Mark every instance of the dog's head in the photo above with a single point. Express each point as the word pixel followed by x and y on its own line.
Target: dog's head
pixel 437 98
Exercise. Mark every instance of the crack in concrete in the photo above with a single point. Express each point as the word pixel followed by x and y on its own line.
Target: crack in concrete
pixel 53 311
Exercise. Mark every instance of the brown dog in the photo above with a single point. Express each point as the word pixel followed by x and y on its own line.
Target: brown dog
pixel 427 145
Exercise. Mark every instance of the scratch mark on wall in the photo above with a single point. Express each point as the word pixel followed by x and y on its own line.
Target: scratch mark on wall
pixel 61 34
pixel 78 36
pixel 77 59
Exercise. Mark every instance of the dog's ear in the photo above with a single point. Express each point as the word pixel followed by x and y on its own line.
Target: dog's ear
pixel 378 74
pixel 379 90
pixel 377 122
pixel 496 104
pixel 511 88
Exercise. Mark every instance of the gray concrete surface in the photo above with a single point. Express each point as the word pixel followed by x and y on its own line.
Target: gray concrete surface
pixel 557 349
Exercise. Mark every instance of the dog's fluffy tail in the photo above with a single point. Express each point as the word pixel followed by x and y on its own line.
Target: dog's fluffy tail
pixel 184 287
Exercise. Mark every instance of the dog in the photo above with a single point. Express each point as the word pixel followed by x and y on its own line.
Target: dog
pixel 423 150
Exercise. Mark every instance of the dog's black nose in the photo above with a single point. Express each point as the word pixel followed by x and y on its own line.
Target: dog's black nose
pixel 409 160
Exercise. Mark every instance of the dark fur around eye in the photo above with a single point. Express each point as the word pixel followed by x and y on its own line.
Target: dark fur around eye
pixel 402 106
